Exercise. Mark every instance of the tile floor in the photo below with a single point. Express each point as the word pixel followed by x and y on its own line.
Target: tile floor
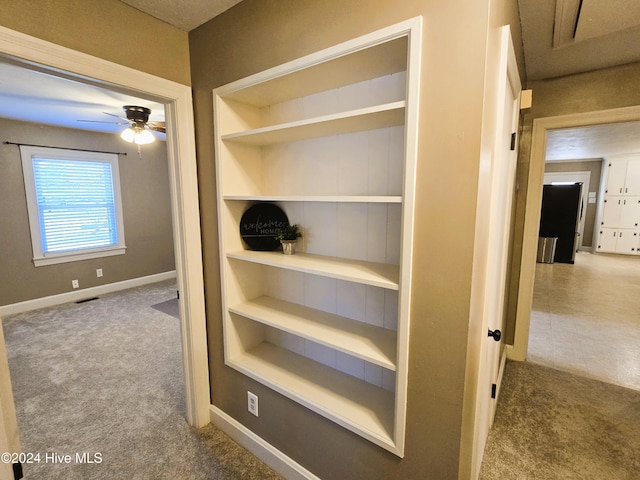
pixel 586 318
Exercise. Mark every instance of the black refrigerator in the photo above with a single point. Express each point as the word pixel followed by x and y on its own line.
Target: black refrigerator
pixel 560 217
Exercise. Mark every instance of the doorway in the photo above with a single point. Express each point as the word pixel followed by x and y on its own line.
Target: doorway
pixel 541 129
pixel 184 197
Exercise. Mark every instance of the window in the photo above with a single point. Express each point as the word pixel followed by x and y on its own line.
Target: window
pixel 73 200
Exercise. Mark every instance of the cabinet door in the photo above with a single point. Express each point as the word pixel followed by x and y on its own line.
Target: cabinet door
pixel 616 177
pixel 629 212
pixel 627 242
pixel 632 179
pixel 611 210
pixel 607 240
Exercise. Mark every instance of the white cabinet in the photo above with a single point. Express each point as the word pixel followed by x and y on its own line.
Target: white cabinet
pixel 331 139
pixel 612 240
pixel 623 175
pixel 620 214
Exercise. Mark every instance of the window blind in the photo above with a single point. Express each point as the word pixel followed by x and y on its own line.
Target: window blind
pixel 76 204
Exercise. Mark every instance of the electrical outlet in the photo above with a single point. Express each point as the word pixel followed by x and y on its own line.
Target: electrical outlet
pixel 252 403
pixel 75 283
pixel 98 272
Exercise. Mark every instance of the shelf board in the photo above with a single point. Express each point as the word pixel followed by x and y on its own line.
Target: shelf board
pixel 318 198
pixel 353 403
pixel 367 342
pixel 312 75
pixel 367 273
pixel 370 118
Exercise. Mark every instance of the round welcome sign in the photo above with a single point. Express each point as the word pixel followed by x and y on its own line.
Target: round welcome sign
pixel 260 224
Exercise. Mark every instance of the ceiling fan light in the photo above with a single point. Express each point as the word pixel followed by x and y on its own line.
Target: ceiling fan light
pixel 144 137
pixel 128 134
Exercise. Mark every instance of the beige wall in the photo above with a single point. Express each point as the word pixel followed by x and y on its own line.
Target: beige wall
pixel 108 29
pixel 586 92
pixel 258 34
pixel 146 210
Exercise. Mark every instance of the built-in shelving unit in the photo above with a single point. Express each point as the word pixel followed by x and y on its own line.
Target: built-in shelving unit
pixel 331 139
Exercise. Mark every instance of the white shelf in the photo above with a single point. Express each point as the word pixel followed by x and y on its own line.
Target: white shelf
pixel 367 342
pixel 351 402
pixel 283 83
pixel 371 118
pixel 368 273
pixel 318 198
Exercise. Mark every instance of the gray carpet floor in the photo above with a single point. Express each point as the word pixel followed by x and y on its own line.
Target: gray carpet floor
pixel 552 425
pixel 105 378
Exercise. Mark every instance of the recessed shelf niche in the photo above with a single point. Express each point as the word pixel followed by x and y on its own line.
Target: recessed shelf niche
pixel 331 139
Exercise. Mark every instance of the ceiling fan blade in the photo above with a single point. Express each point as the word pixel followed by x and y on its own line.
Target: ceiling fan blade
pixel 117 116
pixel 100 121
pixel 157 126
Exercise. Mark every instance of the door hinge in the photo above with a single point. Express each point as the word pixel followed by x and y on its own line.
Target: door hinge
pixel 513 141
pixel 494 387
pixel 178 294
pixel 17 471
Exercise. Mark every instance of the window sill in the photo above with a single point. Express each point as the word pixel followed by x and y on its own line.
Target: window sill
pixel 77 256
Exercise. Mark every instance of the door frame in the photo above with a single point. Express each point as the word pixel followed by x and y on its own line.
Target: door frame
pixel 183 188
pixel 533 204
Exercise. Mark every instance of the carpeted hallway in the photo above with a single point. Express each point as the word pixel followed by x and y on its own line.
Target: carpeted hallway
pixel 552 425
pixel 105 378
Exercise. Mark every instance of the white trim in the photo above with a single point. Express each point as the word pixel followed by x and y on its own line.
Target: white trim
pixel 412 30
pixel 533 203
pixel 281 463
pixel 75 295
pixel 181 154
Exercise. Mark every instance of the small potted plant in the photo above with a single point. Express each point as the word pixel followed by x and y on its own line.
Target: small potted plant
pixel 288 236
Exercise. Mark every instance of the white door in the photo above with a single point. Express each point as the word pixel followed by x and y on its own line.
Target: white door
pixel 632 177
pixel 616 171
pixel 627 241
pixel 495 213
pixel 630 212
pixel 503 195
pixel 9 441
pixel 611 208
pixel 607 240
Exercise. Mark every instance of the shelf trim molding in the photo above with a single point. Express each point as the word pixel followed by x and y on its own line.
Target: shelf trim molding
pixel 370 118
pixel 318 198
pixel 378 347
pixel 367 273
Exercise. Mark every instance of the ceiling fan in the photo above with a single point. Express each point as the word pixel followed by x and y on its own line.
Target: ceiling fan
pixel 139 126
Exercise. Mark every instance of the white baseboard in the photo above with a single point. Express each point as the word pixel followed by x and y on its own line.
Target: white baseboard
pixel 281 463
pixel 76 295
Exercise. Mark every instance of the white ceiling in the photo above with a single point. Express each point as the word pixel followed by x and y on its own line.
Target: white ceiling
pixel 35 96
pixel 607 33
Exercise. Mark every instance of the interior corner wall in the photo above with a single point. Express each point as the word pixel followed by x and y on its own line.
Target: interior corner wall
pixel 146 211
pixel 108 29
pixel 604 89
pixel 258 34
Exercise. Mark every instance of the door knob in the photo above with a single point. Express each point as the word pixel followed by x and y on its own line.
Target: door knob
pixel 496 334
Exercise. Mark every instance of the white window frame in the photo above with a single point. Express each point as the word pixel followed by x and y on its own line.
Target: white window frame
pixel 28 153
